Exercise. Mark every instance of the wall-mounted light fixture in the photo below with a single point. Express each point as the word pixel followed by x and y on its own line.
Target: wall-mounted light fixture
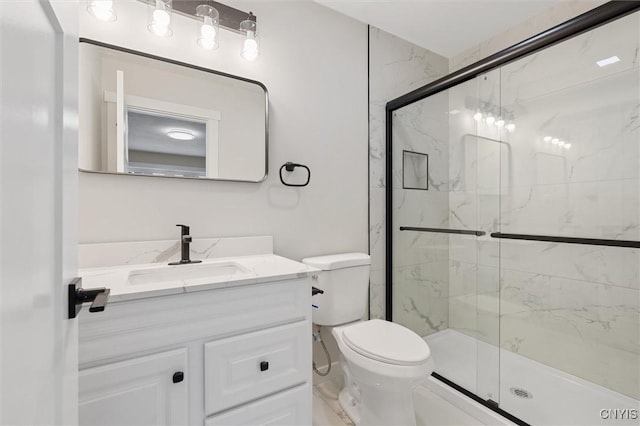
pixel 210 16
pixel 102 10
pixel 556 142
pixel 492 115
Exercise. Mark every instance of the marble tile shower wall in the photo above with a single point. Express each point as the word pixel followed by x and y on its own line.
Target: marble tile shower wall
pixel 474 204
pixel 420 259
pixel 559 13
pixel 396 67
pixel 573 307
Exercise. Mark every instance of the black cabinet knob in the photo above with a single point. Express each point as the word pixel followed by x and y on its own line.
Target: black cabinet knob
pixel 264 366
pixel 178 376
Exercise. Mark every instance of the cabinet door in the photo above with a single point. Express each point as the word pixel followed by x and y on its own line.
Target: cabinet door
pixel 289 408
pixel 143 391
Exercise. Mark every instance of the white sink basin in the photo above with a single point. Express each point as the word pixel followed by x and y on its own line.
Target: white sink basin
pixel 139 281
pixel 195 271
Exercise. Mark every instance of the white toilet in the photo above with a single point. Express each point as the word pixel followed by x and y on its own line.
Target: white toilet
pixel 382 361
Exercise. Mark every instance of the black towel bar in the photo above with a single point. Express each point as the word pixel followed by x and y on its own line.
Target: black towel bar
pixel 569 240
pixel 443 230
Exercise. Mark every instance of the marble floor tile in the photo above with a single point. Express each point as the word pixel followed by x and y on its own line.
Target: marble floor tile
pixel 327 392
pixel 431 409
pixel 323 415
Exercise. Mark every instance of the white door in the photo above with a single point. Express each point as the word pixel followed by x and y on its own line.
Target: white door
pixel 38 179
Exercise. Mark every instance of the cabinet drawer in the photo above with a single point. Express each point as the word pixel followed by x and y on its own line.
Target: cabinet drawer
pixel 140 325
pixel 243 368
pixel 288 408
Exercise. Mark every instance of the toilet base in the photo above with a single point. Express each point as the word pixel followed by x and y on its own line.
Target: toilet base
pixel 350 406
pixel 374 407
pixel 377 393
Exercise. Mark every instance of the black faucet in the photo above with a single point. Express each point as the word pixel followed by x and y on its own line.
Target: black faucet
pixel 185 240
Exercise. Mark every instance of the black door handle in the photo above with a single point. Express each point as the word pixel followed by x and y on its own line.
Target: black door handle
pixel 78 295
pixel 264 366
pixel 99 300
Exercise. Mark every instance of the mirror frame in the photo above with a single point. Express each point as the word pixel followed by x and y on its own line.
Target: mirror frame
pixel 195 67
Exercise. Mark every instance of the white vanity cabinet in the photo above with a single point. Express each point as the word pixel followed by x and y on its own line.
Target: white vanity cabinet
pixel 235 355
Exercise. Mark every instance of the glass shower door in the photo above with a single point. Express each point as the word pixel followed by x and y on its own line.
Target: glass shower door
pixel 570 318
pixel 515 228
pixel 446 164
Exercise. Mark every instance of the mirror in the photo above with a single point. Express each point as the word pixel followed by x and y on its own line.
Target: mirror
pixel 145 115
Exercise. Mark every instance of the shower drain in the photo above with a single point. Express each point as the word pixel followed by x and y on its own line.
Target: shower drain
pixel 521 393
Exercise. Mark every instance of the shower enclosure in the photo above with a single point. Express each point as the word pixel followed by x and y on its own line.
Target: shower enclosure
pixel 513 223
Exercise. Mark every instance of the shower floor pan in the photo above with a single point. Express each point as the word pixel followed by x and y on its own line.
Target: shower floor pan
pixel 534 392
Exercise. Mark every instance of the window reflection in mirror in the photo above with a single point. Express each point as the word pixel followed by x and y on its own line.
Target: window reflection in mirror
pixel 164 144
pixel 145 115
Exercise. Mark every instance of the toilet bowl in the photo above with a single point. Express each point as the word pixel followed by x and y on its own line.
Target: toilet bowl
pixel 381 361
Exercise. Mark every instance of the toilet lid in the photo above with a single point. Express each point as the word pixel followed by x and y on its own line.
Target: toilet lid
pixel 386 342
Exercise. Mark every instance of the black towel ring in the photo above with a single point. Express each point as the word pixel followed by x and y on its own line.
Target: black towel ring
pixel 289 166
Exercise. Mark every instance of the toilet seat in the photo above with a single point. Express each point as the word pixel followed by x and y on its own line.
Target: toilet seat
pixel 386 342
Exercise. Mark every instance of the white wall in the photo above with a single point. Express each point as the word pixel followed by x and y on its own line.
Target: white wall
pixel 316 77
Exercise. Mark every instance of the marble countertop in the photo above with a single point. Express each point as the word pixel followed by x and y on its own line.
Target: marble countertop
pixel 253 269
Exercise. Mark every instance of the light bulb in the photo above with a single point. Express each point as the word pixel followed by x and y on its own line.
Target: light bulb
pixel 207 30
pixel 567 146
pixel 250 47
pixel 161 19
pixel 159 30
pixel 510 127
pixel 477 116
pixel 555 141
pixel 206 43
pixel 207 37
pixel 500 122
pixel 490 119
pixel 102 10
pixel 561 143
pixel 547 139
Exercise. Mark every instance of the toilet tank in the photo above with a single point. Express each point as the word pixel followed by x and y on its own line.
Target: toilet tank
pixel 344 278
